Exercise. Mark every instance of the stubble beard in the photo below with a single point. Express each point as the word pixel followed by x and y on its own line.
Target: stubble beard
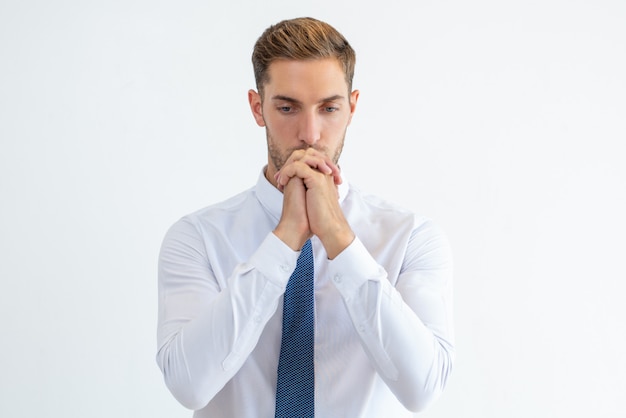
pixel 279 157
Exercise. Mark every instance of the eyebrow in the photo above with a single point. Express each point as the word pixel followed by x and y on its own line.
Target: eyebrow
pixel 296 101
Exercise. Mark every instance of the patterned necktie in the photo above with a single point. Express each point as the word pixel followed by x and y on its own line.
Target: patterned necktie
pixel 295 389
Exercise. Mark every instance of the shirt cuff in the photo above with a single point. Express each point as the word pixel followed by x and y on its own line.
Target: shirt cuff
pixel 275 260
pixel 354 267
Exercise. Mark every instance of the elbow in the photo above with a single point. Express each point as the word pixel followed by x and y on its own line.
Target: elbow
pixel 190 399
pixel 185 394
pixel 420 400
pixel 430 388
pixel 179 382
pixel 419 405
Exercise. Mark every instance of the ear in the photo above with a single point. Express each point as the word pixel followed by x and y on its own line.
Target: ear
pixel 354 97
pixel 256 106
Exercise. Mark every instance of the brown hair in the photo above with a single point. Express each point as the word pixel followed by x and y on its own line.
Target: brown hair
pixel 301 39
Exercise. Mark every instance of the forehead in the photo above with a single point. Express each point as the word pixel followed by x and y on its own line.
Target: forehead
pixel 306 78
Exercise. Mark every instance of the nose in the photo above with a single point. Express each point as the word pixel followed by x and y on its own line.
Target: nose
pixel 309 128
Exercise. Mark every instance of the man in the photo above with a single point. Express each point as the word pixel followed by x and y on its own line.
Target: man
pixel 382 342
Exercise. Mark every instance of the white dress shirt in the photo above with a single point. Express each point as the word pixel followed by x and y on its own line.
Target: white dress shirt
pixel 383 309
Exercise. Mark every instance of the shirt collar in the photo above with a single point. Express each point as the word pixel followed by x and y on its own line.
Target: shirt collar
pixel 272 199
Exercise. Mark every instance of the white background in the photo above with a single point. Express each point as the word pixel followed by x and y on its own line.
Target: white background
pixel 503 121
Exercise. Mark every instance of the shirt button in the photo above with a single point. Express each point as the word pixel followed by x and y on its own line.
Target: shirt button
pixel 256 319
pixel 284 267
pixel 337 278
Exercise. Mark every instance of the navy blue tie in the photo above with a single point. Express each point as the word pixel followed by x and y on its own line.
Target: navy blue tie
pixel 295 389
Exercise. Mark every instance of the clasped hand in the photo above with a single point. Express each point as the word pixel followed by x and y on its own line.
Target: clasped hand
pixel 309 181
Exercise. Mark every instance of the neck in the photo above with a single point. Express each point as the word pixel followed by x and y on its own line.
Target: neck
pixel 270 171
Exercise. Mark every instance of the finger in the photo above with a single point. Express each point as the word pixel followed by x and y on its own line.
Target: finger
pixel 283 176
pixel 303 171
pixel 323 163
pixel 318 160
pixel 295 169
pixel 337 176
pixel 294 183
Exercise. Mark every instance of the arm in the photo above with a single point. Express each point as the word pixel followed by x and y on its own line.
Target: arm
pixel 406 330
pixel 207 330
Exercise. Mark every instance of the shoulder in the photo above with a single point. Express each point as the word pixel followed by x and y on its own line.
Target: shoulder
pixel 398 237
pixel 375 209
pixel 225 208
pixel 214 215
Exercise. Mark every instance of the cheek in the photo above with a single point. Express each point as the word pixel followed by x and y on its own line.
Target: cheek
pixel 336 127
pixel 281 128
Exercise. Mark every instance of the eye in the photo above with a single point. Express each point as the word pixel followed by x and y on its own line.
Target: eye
pixel 330 109
pixel 285 109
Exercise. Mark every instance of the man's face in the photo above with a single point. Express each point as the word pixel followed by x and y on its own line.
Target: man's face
pixel 305 104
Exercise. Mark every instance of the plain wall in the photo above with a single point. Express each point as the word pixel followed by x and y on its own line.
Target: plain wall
pixel 502 121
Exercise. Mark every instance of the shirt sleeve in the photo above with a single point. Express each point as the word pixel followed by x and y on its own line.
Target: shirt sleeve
pixel 406 329
pixel 205 332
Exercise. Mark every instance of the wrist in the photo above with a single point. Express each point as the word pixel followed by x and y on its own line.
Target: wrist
pixel 294 240
pixel 337 241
